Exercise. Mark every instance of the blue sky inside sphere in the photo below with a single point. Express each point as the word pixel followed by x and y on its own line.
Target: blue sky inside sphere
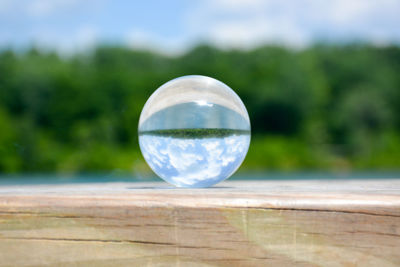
pixel 197 162
pixel 175 26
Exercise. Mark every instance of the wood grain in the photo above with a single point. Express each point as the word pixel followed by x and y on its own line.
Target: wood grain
pixel 258 223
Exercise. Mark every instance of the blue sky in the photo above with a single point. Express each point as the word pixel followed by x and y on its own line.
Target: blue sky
pixel 175 25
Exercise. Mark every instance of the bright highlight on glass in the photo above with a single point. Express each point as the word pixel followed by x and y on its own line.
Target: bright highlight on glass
pixel 194 131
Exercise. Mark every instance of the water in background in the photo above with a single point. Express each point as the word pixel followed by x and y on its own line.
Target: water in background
pixel 32 179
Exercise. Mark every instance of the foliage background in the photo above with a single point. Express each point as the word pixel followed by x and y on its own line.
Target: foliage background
pixel 326 107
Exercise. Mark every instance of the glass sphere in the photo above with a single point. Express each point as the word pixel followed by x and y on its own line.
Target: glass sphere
pixel 194 131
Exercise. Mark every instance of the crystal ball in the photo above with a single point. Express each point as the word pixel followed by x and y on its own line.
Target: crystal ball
pixel 194 131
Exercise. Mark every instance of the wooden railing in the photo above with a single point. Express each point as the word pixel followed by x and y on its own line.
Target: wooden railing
pixel 258 223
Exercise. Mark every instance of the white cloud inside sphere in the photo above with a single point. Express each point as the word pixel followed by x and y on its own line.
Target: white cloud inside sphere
pixel 193 160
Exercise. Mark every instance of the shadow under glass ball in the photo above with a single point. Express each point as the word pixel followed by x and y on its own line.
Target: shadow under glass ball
pixel 194 131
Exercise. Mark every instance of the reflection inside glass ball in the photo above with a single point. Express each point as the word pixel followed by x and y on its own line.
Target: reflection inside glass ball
pixel 194 131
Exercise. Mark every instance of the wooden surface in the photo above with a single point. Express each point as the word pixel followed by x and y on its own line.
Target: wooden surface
pixel 269 223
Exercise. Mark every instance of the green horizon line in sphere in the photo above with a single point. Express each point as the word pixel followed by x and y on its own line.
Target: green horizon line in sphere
pixel 196 133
